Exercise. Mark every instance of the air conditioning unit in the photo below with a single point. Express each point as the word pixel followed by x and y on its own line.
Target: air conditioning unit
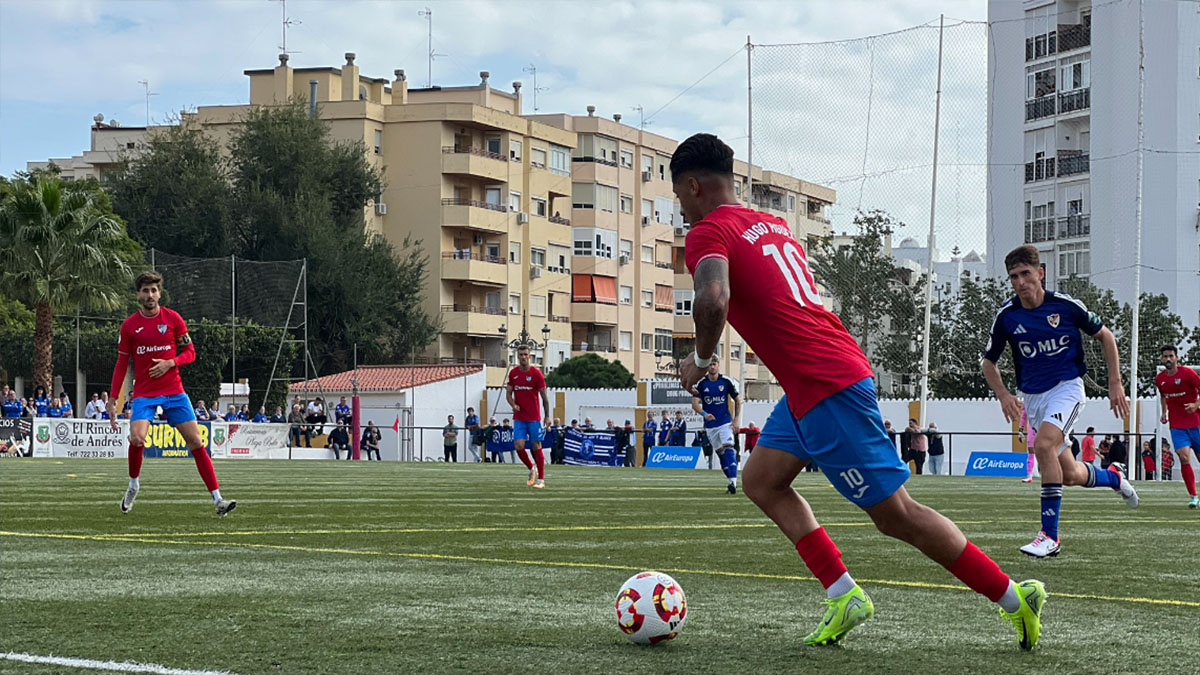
pixel 624 259
pixel 522 218
pixel 380 209
pixel 478 240
pixel 647 176
pixel 681 231
pixel 535 273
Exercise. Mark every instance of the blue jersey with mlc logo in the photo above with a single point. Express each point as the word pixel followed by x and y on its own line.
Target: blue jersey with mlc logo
pixel 1046 341
pixel 714 398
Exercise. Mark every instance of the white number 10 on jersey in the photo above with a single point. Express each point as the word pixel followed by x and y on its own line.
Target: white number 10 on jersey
pixel 798 278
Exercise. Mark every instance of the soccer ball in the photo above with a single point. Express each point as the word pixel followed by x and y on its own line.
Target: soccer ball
pixel 651 608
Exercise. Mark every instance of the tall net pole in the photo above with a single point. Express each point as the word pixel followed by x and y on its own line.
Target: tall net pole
pixel 1136 443
pixel 749 128
pixel 937 119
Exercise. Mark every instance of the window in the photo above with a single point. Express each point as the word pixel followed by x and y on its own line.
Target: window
pixel 491 301
pixel 514 252
pixel 647 298
pixel 626 204
pixel 626 340
pixel 379 141
pixel 560 160
pixel 595 148
pixel 737 187
pixel 663 340
pixel 791 202
pixel 663 299
pixel 683 301
pixel 627 295
pixel 627 159
pixel 647 342
pixel 647 211
pixel 514 150
pixel 606 198
pixel 627 248
pixel 664 208
pixel 1077 75
pixel 514 303
pixel 583 195
pixel 539 206
pixel 1074 259
pixel 594 241
pixel 662 167
pixel 514 201
pixel 493 145
pixel 537 305
pixel 492 196
pixel 647 164
pixel 493 252
pixel 647 253
pixel 537 158
pixel 559 258
pixel 1040 83
pixel 735 353
pixel 537 257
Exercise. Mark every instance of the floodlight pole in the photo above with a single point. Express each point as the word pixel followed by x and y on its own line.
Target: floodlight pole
pixel 937 118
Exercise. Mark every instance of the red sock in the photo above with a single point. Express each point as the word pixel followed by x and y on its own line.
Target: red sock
pixel 541 462
pixel 822 556
pixel 205 467
pixel 1189 477
pixel 980 573
pixel 136 460
pixel 524 458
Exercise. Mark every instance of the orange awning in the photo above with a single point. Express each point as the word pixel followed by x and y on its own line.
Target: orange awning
pixel 664 297
pixel 606 289
pixel 581 286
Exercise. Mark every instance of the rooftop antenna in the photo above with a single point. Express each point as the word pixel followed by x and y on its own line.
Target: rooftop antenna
pixel 428 14
pixel 146 85
pixel 642 123
pixel 532 70
pixel 286 22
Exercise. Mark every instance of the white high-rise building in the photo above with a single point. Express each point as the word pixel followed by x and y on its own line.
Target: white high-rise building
pixel 1063 93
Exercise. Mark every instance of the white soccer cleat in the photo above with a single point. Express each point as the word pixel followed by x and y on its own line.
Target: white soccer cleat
pixel 225 506
pixel 127 500
pixel 1127 492
pixel 532 477
pixel 1042 547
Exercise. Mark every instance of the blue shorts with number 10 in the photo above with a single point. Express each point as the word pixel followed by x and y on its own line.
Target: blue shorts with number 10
pixel 844 436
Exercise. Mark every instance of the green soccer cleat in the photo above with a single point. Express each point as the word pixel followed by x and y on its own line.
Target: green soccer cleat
pixel 842 615
pixel 1028 619
pixel 1193 502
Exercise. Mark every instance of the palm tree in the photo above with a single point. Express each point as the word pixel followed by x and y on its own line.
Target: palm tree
pixel 61 251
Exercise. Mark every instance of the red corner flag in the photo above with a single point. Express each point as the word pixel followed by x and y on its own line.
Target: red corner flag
pixel 396 425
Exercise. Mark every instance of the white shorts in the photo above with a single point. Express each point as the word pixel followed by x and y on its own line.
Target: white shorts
pixel 1060 406
pixel 719 437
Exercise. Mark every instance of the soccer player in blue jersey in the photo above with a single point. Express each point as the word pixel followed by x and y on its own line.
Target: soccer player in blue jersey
pixel 1044 328
pixel 713 396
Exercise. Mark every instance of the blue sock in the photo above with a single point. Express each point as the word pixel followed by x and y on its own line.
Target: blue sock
pixel 1102 478
pixel 729 462
pixel 1051 503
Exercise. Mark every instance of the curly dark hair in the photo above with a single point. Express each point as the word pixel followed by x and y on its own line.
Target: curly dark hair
pixel 704 153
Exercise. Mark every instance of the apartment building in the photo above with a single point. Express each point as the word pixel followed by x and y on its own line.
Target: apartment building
pixel 564 226
pixel 1063 140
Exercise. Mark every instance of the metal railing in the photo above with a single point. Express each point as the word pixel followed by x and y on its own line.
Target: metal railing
pixel 455 201
pixel 1074 36
pixel 475 309
pixel 559 220
pixel 1041 170
pixel 559 318
pixel 1079 225
pixel 1070 101
pixel 595 160
pixel 471 255
pixel 1070 166
pixel 588 347
pixel 478 152
pixel 1039 107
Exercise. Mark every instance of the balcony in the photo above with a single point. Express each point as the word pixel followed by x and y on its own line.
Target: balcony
pixel 597 313
pixel 473 319
pixel 1036 109
pixel 474 162
pixel 585 347
pixel 1039 230
pixel 559 220
pixel 595 160
pixel 1039 170
pixel 474 214
pixel 474 268
pixel 1074 36
pixel 1073 164
pixel 1078 225
pixel 558 318
pixel 1080 99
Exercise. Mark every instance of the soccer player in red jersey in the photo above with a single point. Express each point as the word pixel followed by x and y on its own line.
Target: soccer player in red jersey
pixel 748 269
pixel 1180 389
pixel 157 340
pixel 525 384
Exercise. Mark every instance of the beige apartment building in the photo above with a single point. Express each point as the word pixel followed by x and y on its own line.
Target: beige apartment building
pixel 564 225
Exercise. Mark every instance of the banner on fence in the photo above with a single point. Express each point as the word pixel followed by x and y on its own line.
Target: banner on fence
pixel 673 457
pixel 670 393
pixel 501 440
pixel 16 436
pixel 164 440
pixel 75 438
pixel 257 441
pixel 1009 464
pixel 590 448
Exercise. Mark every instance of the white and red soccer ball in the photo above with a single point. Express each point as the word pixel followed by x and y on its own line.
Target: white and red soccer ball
pixel 651 608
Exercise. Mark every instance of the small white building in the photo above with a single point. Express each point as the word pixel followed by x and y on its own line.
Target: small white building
pixel 415 398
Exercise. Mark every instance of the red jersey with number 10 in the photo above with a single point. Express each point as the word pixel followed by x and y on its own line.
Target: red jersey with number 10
pixel 774 304
pixel 1177 390
pixel 527 386
pixel 145 338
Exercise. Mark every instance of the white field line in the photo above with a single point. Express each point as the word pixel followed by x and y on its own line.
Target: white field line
pixel 117 666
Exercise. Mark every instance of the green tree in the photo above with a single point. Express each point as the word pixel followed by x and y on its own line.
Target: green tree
pixel 62 249
pixel 967 317
pixel 174 196
pixel 590 371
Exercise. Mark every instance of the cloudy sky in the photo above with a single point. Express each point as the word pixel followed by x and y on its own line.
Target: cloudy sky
pixel 61 62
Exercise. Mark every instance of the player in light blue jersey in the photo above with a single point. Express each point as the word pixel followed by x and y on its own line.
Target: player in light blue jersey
pixel 1044 329
pixel 712 398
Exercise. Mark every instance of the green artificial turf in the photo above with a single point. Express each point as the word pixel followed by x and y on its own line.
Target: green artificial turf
pixel 357 567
